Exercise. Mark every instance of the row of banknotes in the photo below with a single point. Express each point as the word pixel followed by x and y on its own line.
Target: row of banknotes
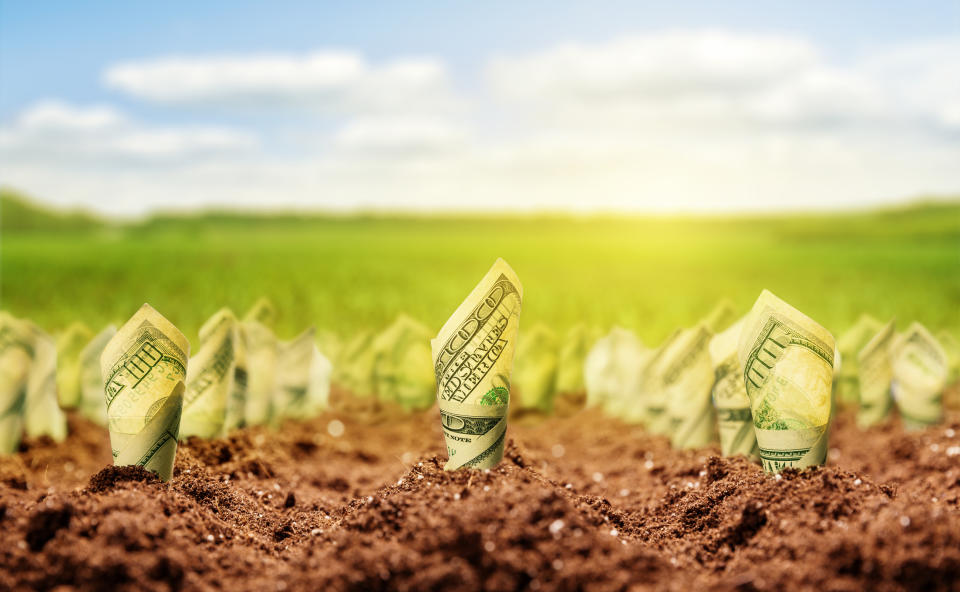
pixel 764 384
pixel 143 385
pixel 622 375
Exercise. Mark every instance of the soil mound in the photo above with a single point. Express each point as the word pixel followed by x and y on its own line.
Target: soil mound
pixel 580 502
pixel 110 476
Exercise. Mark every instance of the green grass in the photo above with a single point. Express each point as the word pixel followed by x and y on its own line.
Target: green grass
pixel 649 274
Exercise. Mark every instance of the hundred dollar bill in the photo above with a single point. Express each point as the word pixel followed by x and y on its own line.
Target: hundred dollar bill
pixel 355 367
pixel 919 376
pixel 42 415
pixel 233 414
pixel 472 358
pixel 847 375
pixel 574 347
pixel 729 396
pixel 722 316
pixel 92 405
pixel 653 389
pixel 209 382
pixel 302 377
pixel 69 345
pixel 263 311
pixel 402 364
pixel 293 376
pixel 787 364
pixel 261 352
pixel 216 323
pixel 611 372
pixel 318 387
pixel 688 379
pixel 16 357
pixel 535 370
pixel 144 367
pixel 952 348
pixel 876 373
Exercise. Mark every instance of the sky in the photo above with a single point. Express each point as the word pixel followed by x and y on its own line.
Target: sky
pixel 130 108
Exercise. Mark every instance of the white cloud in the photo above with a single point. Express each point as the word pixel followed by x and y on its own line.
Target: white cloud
pixel 661 65
pixel 721 120
pixel 922 78
pixel 400 137
pixel 715 79
pixel 59 135
pixel 336 82
pixel 679 121
pixel 54 116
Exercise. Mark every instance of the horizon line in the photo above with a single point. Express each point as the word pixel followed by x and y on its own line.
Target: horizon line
pixel 360 211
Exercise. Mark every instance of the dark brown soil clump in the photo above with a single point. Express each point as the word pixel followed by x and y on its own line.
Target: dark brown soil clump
pixel 580 502
pixel 108 478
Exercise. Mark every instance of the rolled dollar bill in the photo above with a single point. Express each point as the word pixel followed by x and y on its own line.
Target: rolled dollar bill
pixel 472 359
pixel 68 347
pixel 722 316
pixel 402 366
pixel 919 376
pixel 574 347
pixel 688 380
pixel 535 370
pixel 355 369
pixel 951 346
pixel 611 372
pixel 144 367
pixel 261 352
pixel 209 382
pixel 295 363
pixel 16 357
pixel 729 396
pixel 42 415
pixel 92 405
pixel 787 364
pixel 263 311
pixel 847 375
pixel 318 388
pixel 653 390
pixel 876 374
pixel 233 415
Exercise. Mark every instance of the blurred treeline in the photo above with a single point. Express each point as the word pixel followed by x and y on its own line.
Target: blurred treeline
pixel 348 273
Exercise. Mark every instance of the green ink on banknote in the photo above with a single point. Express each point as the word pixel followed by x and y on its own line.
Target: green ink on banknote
pixel 498 395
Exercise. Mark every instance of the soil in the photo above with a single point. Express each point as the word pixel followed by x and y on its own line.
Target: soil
pixel 580 502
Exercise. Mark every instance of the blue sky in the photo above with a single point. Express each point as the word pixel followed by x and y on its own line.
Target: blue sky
pixel 59 67
pixel 59 48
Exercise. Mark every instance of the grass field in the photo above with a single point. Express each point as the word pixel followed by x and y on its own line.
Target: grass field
pixel 649 274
